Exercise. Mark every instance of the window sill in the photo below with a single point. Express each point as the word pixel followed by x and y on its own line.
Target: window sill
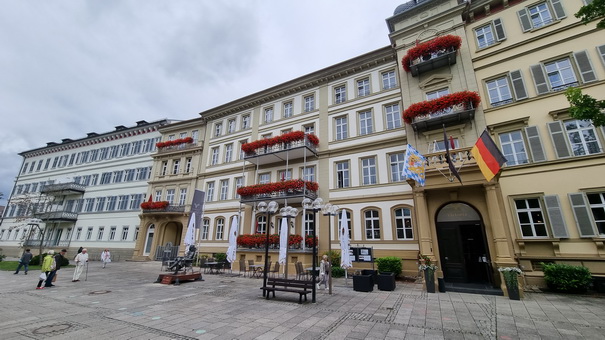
pixel 481 49
pixel 554 22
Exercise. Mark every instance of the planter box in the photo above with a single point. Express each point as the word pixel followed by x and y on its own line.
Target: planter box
pixel 372 273
pixel 363 283
pixel 386 281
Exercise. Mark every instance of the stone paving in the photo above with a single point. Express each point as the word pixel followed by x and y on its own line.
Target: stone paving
pixel 122 302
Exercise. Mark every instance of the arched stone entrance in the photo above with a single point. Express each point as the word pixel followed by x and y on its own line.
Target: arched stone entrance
pixel 463 250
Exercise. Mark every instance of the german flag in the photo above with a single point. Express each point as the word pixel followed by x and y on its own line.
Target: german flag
pixel 488 156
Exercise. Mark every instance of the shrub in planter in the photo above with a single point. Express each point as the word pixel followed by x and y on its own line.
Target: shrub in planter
pixel 220 257
pixel 389 264
pixel 566 278
pixel 335 258
pixel 338 272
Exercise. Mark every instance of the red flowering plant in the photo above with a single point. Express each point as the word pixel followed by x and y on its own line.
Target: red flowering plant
pixel 467 98
pixel 310 241
pixel 186 140
pixel 293 184
pixel 294 240
pixel 284 138
pixel 161 205
pixel 444 43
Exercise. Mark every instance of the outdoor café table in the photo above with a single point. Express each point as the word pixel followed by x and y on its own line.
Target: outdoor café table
pixel 257 270
pixel 213 267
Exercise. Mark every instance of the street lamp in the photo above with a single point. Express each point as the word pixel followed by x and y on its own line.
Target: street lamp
pixel 270 209
pixel 314 206
pixel 330 210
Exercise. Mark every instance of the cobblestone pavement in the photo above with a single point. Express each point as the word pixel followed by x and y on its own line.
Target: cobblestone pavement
pixel 122 302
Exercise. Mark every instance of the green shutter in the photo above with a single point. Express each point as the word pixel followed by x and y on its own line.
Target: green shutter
pixel 524 19
pixel 581 212
pixel 539 79
pixel 535 144
pixel 585 67
pixel 601 50
pixel 555 216
pixel 557 6
pixel 499 28
pixel 516 78
pixel 559 139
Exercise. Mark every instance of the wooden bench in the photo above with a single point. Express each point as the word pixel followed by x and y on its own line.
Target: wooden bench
pixel 301 287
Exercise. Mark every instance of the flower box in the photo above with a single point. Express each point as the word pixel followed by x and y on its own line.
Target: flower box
pixel 186 140
pixel 161 205
pixel 433 48
pixel 259 240
pixel 466 99
pixel 268 188
pixel 250 148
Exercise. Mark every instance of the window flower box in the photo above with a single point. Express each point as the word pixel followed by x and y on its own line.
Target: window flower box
pixel 432 54
pixel 250 148
pixel 186 140
pixel 449 109
pixel 149 205
pixel 283 186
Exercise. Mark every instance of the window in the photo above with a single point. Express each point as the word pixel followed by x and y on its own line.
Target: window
pixel 366 125
pixel 214 158
pixel 89 233
pixel 499 91
pixel 340 94
pixel 288 110
pixel 388 80
pixel 239 182
pixel 176 164
pixel 158 195
pixel 597 207
pixel 218 129
pixel 582 137
pixel 342 174
pixel 513 148
pixel 228 152
pixel 245 122
pixel 89 204
pixel 205 227
pixel 341 128
pixel 130 173
pixel 122 202
pixel 100 206
pixel 220 228
pixel 285 175
pixel 309 222
pixel 372 224
pixel 560 74
pixel 396 161
pixel 124 233
pixel 530 217
pixel 142 174
pixel 78 233
pixel 264 178
pixel 363 87
pixel 105 178
pixel 261 224
pixel 309 103
pixel 182 196
pixel 124 149
pixel 231 126
pixel 393 116
pixel 268 117
pixel 541 14
pixel 136 147
pixel 195 135
pixel 188 162
pixel 435 95
pixel 224 189
pixel 490 34
pixel 111 203
pixel 210 192
pixel 100 233
pixel 135 201
pixel 242 154
pixel 403 222
pixel 368 169
pixel 170 195
pixel 164 168
pixel 117 176
pixel 112 233
pixel 309 173
pixel 309 129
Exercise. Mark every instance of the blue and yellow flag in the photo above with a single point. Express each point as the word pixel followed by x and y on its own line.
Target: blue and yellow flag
pixel 413 165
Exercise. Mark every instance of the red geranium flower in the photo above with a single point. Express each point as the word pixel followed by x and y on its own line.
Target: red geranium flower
pixel 467 98
pixel 293 184
pixel 285 138
pixel 444 43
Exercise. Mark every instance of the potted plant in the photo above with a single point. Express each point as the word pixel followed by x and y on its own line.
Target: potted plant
pixel 388 268
pixel 511 279
pixel 427 266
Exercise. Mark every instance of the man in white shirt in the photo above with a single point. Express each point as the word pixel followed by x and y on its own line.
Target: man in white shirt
pixel 81 260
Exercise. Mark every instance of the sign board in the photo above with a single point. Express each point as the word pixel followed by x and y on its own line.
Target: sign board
pixel 361 254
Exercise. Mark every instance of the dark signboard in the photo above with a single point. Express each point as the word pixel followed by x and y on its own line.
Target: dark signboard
pixel 361 254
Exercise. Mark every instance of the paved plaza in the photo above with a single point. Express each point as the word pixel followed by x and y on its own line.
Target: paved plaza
pixel 122 302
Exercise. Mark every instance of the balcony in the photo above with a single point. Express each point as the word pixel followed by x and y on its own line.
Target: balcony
pixel 293 197
pixel 71 188
pixel 436 160
pixel 287 147
pixel 47 243
pixel 432 62
pixel 458 114
pixel 431 55
pixel 57 216
pixel 294 191
pixel 451 109
pixel 177 148
pixel 168 209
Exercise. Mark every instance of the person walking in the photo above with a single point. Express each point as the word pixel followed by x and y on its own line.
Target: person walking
pixel 105 257
pixel 47 267
pixel 81 261
pixel 24 261
pixel 53 274
pixel 324 271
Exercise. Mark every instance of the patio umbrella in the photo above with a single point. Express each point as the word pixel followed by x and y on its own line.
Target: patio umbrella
pixel 232 240
pixel 345 259
pixel 189 237
pixel 283 241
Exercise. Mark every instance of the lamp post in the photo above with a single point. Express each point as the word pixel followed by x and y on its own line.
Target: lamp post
pixel 330 210
pixel 271 208
pixel 314 206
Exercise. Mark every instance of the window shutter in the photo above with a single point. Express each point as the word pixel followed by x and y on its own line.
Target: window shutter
pixel 581 212
pixel 535 144
pixel 585 67
pixel 558 8
pixel 524 18
pixel 601 50
pixel 518 84
pixel 555 216
pixel 500 34
pixel 559 139
pixel 539 79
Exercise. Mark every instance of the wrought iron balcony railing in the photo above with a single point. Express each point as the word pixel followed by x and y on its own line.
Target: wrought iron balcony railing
pixel 64 188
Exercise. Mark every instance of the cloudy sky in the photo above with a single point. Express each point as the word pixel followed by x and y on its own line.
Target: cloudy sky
pixel 72 67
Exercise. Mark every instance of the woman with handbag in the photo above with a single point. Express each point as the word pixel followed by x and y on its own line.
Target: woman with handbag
pixel 48 265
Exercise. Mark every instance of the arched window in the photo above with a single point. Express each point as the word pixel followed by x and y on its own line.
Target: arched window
pixel 403 224
pixel 372 224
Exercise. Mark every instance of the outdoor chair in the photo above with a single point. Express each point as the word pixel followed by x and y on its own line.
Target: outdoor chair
pixel 243 267
pixel 275 270
pixel 250 266
pixel 203 265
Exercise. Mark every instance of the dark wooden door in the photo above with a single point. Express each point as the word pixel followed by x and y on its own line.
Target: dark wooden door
pixel 451 252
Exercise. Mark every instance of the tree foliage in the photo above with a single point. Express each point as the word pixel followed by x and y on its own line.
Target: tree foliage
pixel 592 11
pixel 585 107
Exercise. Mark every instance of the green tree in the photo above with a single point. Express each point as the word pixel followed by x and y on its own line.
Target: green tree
pixel 592 11
pixel 585 107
